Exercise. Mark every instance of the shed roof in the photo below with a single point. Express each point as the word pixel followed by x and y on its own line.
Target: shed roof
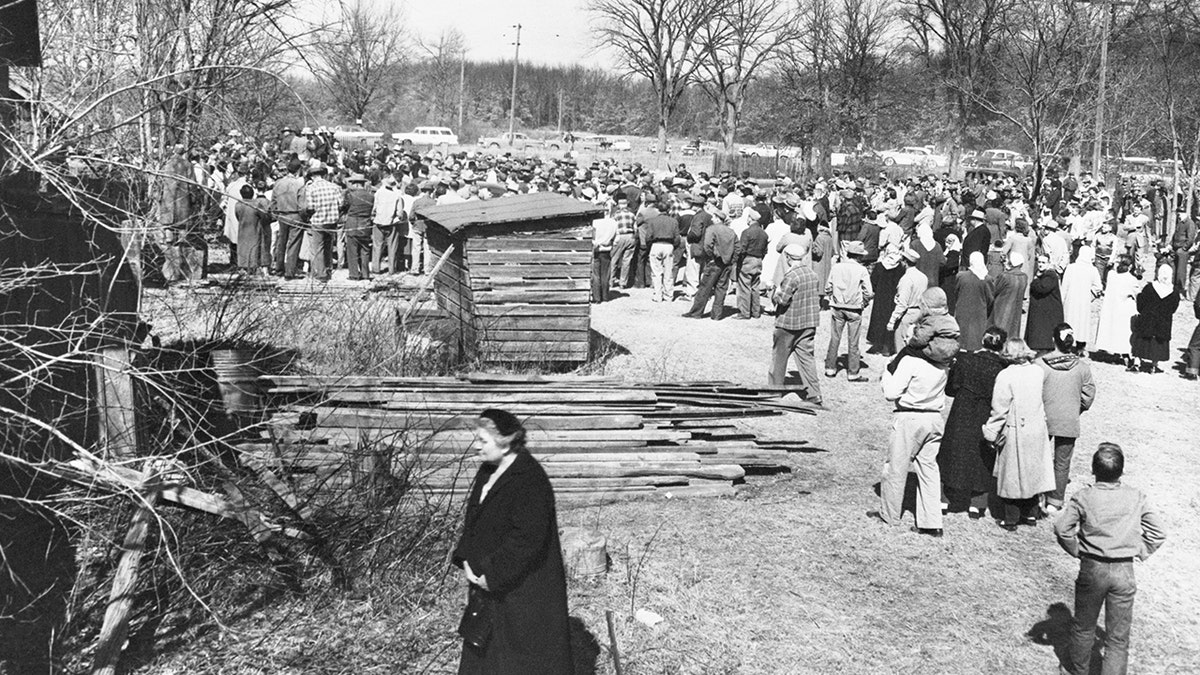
pixel 534 209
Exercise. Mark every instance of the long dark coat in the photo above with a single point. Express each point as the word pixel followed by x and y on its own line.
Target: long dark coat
pixel 884 281
pixel 1045 311
pixel 512 540
pixel 972 305
pixel 1151 339
pixel 965 459
pixel 1008 291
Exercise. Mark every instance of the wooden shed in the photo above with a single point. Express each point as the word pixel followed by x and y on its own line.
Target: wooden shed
pixel 515 274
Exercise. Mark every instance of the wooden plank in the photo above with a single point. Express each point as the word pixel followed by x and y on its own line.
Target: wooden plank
pixel 501 335
pixel 380 419
pixel 483 297
pixel 115 403
pixel 413 436
pixel 533 258
pixel 527 323
pixel 548 271
pixel 575 484
pixel 483 245
pixel 547 310
pixel 490 285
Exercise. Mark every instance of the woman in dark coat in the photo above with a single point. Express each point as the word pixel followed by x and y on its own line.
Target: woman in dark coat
pixel 1045 307
pixel 972 303
pixel 884 280
pixel 1156 305
pixel 967 461
pixel 510 552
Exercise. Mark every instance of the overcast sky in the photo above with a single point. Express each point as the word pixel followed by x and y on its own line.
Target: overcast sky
pixel 552 31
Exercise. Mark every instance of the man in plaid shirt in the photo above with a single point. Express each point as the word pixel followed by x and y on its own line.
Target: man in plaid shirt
pixel 798 300
pixel 324 200
pixel 624 247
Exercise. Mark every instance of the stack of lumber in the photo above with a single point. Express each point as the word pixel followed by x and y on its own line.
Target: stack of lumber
pixel 599 439
pixel 390 285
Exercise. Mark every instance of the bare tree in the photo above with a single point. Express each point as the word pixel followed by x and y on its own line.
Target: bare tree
pixel 957 39
pixel 439 74
pixel 1042 75
pixel 746 35
pixel 835 70
pixel 358 52
pixel 661 40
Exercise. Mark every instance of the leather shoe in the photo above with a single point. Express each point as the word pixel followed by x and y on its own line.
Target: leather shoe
pixel 935 532
pixel 691 315
pixel 874 515
pixel 1010 527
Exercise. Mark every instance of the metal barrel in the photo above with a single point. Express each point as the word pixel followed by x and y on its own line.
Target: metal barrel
pixel 237 379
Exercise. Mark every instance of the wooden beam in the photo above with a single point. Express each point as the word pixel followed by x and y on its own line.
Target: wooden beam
pixel 115 628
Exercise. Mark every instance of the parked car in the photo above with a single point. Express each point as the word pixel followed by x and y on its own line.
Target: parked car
pixel 519 141
pixel 1000 159
pixel 853 156
pixel 428 136
pixel 622 145
pixel 351 135
pixel 763 150
pixel 908 156
pixel 591 142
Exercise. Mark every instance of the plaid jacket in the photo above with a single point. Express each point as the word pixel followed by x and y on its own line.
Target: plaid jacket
pixel 625 220
pixel 324 201
pixel 799 292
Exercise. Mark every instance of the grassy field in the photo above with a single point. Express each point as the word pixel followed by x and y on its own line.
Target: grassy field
pixel 790 577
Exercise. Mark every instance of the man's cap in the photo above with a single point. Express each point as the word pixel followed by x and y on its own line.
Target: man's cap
pixel 910 255
pixel 356 178
pixel 795 251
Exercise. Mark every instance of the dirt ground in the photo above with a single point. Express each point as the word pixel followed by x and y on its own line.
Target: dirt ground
pixel 790 576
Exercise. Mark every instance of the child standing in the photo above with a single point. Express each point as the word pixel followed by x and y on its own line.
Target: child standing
pixel 1106 526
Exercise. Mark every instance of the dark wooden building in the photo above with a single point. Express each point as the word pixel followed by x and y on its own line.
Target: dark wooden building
pixel 516 275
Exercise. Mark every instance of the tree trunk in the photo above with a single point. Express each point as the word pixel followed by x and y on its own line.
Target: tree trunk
pixel 733 111
pixel 662 139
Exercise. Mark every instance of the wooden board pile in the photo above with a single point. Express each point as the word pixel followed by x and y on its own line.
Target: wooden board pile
pixel 598 439
pixel 397 286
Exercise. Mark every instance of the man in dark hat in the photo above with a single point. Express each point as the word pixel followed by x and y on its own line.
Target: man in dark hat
pixel 357 205
pixel 287 205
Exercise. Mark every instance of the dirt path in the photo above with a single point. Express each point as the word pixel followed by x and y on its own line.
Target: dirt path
pixel 792 578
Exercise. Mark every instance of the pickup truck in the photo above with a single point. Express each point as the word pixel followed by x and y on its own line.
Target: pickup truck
pixel 519 142
pixel 428 136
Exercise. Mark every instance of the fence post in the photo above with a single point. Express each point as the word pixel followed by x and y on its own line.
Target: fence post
pixel 118 440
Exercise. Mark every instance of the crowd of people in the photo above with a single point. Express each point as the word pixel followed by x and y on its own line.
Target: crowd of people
pixel 982 290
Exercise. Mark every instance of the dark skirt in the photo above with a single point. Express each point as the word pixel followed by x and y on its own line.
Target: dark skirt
pixel 1150 349
pixel 883 282
pixel 965 459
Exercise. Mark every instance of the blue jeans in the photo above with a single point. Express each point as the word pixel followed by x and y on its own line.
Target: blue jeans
pixel 851 321
pixel 1112 585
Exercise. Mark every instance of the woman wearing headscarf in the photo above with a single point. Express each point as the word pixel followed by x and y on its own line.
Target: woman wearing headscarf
pixel 885 277
pixel 1068 391
pixel 948 274
pixel 1017 428
pixel 1045 306
pixel 1117 311
pixel 1081 285
pixel 966 460
pixel 1156 305
pixel 973 301
pixel 516 619
pixel 931 257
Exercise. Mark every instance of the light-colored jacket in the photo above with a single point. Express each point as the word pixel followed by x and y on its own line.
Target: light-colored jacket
pixel 1024 456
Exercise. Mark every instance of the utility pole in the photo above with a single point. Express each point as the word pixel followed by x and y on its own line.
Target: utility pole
pixel 462 88
pixel 1099 133
pixel 512 105
pixel 560 102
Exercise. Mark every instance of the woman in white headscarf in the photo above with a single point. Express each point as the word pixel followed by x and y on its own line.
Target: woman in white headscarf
pixel 931 257
pixel 1156 306
pixel 973 302
pixel 1118 308
pixel 1081 284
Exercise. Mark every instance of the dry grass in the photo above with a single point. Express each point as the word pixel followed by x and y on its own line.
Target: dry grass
pixel 790 577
